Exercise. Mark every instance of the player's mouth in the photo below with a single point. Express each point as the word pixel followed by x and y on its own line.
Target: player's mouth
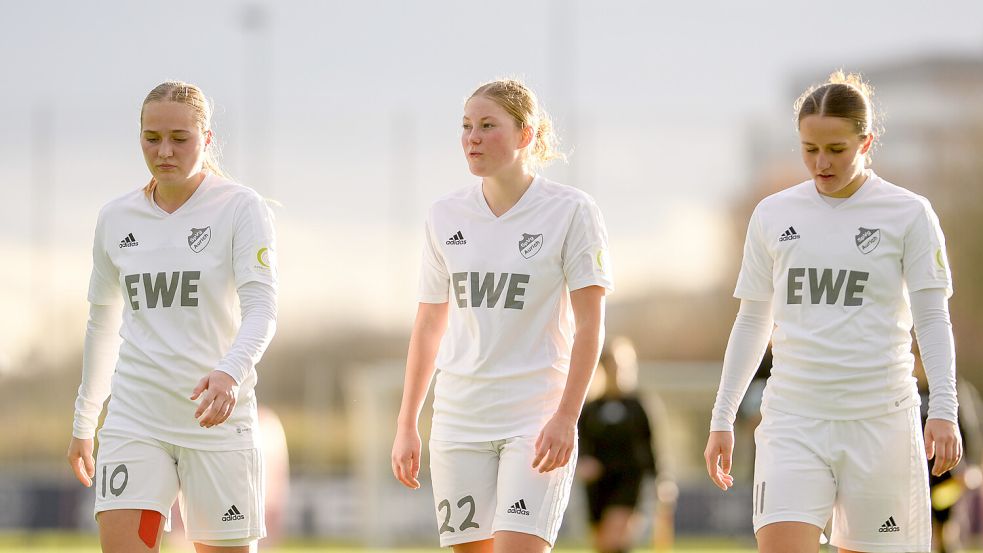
pixel 475 154
pixel 825 178
pixel 166 167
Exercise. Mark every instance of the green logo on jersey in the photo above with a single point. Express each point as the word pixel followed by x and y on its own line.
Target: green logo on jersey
pixel 263 257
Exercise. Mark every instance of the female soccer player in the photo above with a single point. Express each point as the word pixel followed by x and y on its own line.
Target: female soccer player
pixel 515 270
pixel 841 266
pixel 178 253
pixel 615 450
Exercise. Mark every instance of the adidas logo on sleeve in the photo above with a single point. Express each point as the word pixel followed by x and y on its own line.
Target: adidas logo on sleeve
pixel 232 514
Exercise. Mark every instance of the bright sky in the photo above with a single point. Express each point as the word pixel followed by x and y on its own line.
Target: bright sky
pixel 348 114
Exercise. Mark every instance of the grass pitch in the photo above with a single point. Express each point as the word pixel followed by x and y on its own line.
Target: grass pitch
pixel 86 543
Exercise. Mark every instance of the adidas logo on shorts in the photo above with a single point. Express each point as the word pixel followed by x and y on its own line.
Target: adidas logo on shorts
pixel 889 526
pixel 519 508
pixel 233 514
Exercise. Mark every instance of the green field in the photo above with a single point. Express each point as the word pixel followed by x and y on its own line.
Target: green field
pixel 75 543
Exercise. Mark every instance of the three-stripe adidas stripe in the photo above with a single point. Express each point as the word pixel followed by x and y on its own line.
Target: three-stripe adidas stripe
pixel 233 511
pixel 458 236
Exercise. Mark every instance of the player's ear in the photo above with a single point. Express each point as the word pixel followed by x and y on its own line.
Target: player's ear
pixel 528 134
pixel 867 143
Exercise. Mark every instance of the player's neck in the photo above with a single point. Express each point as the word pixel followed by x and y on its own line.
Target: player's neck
pixel 170 197
pixel 503 191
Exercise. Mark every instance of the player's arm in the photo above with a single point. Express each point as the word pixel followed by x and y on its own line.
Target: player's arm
pixel 556 441
pixel 98 360
pixel 428 329
pixel 254 268
pixel 933 330
pixel 219 389
pixel 745 348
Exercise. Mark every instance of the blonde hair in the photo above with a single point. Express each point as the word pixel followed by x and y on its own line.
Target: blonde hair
pixel 845 95
pixel 191 96
pixel 521 103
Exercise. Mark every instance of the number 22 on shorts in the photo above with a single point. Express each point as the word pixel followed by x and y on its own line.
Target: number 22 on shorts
pixel 468 520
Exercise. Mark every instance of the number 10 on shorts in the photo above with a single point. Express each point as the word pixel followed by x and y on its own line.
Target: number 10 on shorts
pixel 469 522
pixel 117 480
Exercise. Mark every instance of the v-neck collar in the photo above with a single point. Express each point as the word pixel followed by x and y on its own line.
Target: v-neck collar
pixel 871 182
pixel 185 206
pixel 486 209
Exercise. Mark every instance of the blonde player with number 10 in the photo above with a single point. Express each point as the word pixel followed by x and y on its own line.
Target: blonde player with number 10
pixel 178 254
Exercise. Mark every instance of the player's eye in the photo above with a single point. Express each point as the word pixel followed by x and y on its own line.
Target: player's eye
pixel 466 126
pixel 837 150
pixel 152 140
pixel 812 150
pixel 487 126
pixel 179 140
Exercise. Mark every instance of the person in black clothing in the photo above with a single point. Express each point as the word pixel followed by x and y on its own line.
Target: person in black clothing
pixel 946 490
pixel 615 449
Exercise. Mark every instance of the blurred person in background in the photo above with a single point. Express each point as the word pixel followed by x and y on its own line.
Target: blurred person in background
pixel 181 254
pixel 948 490
pixel 616 449
pixel 511 312
pixel 839 268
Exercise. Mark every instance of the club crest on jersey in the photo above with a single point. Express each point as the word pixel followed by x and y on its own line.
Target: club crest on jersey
pixel 868 239
pixel 199 238
pixel 530 244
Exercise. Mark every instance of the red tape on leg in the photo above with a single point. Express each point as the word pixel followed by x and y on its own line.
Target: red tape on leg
pixel 150 527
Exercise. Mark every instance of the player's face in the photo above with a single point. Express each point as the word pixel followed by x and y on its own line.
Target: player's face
pixel 833 153
pixel 173 145
pixel 491 139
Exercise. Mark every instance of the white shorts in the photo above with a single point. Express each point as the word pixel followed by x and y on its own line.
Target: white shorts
pixel 221 491
pixel 480 488
pixel 870 475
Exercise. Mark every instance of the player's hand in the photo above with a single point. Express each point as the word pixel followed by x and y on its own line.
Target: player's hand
pixel 406 457
pixel 218 392
pixel 718 455
pixel 589 469
pixel 80 458
pixel 555 443
pixel 942 441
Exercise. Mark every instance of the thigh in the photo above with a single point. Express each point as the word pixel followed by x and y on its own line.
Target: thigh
pixel 789 537
pixel 464 477
pixel 130 530
pixel 793 481
pixel 531 502
pixel 134 473
pixel 222 496
pixel 882 494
